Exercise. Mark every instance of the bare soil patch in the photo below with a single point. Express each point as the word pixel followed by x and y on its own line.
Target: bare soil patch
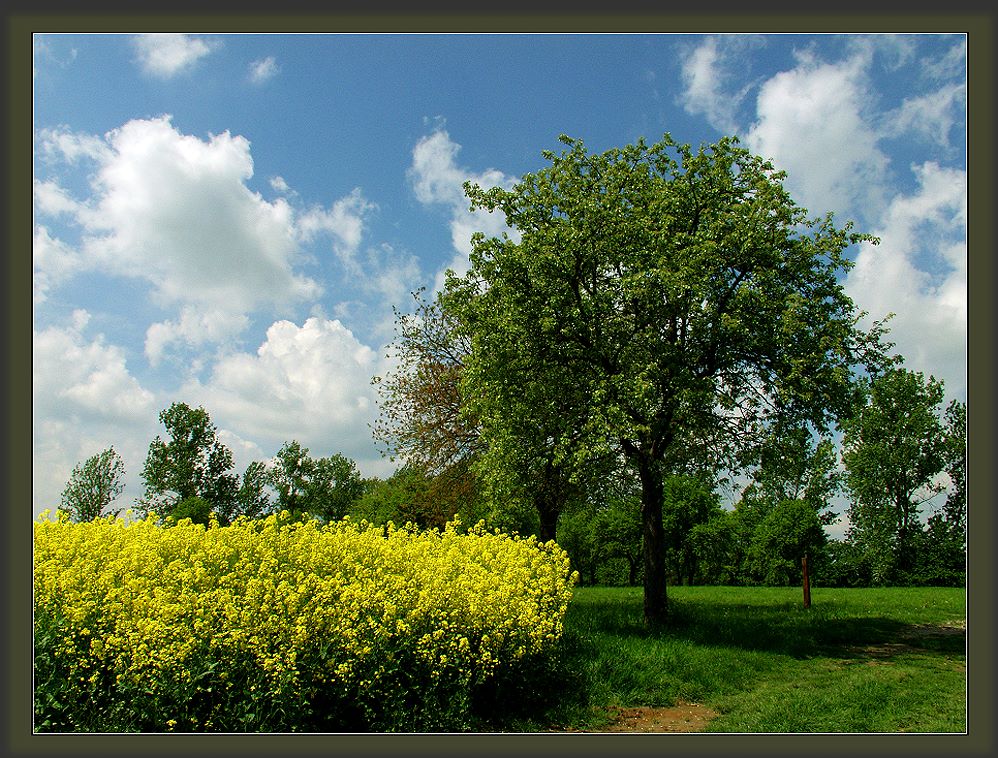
pixel 682 717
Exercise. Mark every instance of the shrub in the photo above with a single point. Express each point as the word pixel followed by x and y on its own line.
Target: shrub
pixel 283 624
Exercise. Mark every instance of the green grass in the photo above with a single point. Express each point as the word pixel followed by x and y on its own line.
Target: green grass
pixel 859 660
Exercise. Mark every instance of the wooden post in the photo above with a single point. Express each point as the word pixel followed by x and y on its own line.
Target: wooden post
pixel 807 582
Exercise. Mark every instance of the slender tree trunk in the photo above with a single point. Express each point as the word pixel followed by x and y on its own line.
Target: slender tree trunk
pixel 653 539
pixel 807 582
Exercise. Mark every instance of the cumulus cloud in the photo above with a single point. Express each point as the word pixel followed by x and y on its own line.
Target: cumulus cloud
pixel 53 261
pixel 166 55
pixel 263 70
pixel 76 376
pixel 919 271
pixel 310 382
pixel 194 328
pixel 63 145
pixel 343 221
pixel 85 399
pixel 175 210
pixel 438 179
pixel 811 122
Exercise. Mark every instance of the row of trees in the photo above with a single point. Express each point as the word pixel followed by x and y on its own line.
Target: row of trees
pixel 898 452
pixel 190 474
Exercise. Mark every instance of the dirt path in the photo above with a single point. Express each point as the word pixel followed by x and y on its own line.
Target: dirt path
pixel 682 717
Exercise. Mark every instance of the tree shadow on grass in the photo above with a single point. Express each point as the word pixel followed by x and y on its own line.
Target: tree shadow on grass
pixel 786 629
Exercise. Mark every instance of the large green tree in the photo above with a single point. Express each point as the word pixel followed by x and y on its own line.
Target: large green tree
pixel 668 296
pixel 93 485
pixel 894 450
pixel 190 462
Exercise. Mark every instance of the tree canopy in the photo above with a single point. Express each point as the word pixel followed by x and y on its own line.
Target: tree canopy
pixel 670 300
pixel 191 462
pixel 894 450
pixel 324 487
pixel 93 485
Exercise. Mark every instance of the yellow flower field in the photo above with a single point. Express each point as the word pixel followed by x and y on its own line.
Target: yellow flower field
pixel 281 624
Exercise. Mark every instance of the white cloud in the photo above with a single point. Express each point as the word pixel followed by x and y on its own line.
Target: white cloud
pixel 73 376
pixel 393 273
pixel 919 271
pixel 166 55
pixel 710 72
pixel 84 400
pixel 310 382
pixel 950 65
pixel 61 144
pixel 811 121
pixel 930 117
pixel 194 328
pixel 52 200
pixel 278 184
pixel 437 179
pixel 344 221
pixel 263 70
pixel 175 210
pixel 54 262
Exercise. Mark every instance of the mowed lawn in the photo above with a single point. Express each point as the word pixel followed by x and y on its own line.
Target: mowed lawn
pixel 859 660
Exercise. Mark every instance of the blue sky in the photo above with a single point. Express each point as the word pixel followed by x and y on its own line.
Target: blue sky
pixel 228 220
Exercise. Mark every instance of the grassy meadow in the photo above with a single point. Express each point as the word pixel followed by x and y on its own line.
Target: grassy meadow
pixel 859 660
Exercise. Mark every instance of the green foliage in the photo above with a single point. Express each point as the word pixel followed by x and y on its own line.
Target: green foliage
pixel 192 462
pixel 422 417
pixel 604 540
pixel 894 450
pixel 714 545
pixel 790 531
pixel 842 563
pixel 93 485
pixel 688 502
pixel 398 499
pixel 322 487
pixel 793 463
pixel 195 508
pixel 253 499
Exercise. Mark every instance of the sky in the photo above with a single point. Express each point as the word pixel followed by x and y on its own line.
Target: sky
pixel 229 221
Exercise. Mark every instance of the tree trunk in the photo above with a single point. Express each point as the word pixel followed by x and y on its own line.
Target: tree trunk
pixel 547 512
pixel 653 539
pixel 807 582
pixel 548 501
pixel 632 576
